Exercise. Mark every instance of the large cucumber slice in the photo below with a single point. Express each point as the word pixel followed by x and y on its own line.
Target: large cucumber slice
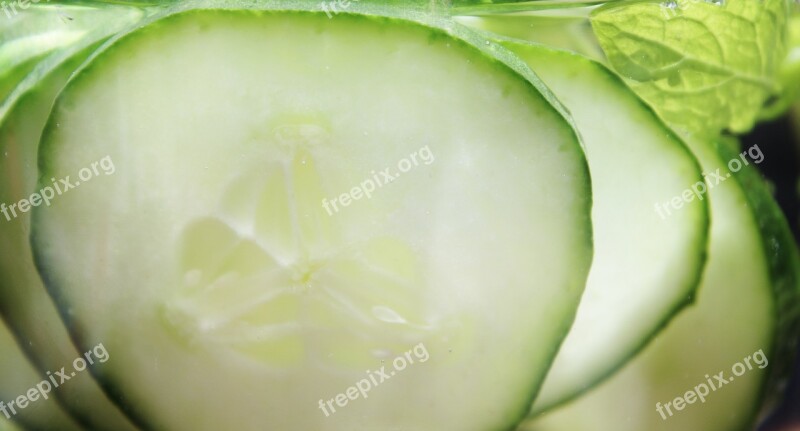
pixel 749 294
pixel 17 377
pixel 647 260
pixel 23 298
pixel 229 290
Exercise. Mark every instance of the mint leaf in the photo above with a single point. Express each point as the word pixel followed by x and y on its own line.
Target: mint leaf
pixel 705 66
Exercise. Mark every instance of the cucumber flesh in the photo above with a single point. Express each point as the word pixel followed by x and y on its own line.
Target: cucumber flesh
pixel 17 377
pixel 229 297
pixel 737 314
pixel 647 261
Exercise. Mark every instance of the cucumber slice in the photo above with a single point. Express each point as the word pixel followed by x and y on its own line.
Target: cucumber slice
pixel 17 377
pixel 647 260
pixel 32 87
pixel 784 269
pixel 229 297
pixel 749 294
pixel 24 301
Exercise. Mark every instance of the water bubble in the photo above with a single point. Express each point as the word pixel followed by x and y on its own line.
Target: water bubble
pixel 670 8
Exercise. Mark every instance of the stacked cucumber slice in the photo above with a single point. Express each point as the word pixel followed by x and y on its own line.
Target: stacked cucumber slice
pixel 304 216
pixel 722 347
pixel 647 264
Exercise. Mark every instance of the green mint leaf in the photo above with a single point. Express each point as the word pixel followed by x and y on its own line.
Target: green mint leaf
pixel 789 75
pixel 704 65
